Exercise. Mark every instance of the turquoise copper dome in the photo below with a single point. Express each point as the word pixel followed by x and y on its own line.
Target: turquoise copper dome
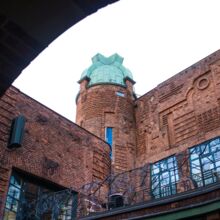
pixel 106 70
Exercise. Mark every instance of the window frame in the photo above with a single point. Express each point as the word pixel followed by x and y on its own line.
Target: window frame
pixel 164 169
pixel 205 152
pixel 27 184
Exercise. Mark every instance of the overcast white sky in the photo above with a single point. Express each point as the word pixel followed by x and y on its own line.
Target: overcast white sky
pixel 157 38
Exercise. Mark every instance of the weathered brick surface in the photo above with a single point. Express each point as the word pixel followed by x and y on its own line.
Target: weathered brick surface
pixel 99 107
pixel 53 148
pixel 180 112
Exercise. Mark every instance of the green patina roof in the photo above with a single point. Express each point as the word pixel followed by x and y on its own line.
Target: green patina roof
pixel 106 70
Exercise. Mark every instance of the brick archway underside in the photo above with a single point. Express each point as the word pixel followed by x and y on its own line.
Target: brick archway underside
pixel 28 27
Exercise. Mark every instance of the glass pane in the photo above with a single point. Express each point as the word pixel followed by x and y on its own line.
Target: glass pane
pixel 195 164
pixel 167 176
pixel 164 182
pixel 208 166
pixel 196 171
pixel 170 160
pixel 208 181
pixel 194 156
pixel 177 177
pixel 217 156
pixel 213 147
pixel 204 149
pixel 214 144
pixel 217 163
pixel 155 183
pixel 207 174
pixel 172 173
pixel 155 166
pixel 165 191
pixel 163 165
pixel 173 178
pixel 197 177
pixel 173 188
pixel 192 150
pixel 171 166
pixel 109 135
pixel 156 170
pixel 200 184
pixel 121 94
pixel 11 204
pixel 205 160
pixel 14 192
pixel 156 193
pixel 15 180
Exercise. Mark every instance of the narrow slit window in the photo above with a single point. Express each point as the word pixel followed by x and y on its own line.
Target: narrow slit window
pixel 121 94
pixel 109 138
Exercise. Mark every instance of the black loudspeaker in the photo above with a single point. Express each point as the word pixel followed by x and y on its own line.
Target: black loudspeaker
pixel 17 132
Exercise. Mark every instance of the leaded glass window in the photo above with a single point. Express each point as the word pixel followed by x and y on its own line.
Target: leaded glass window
pixel 25 197
pixel 205 162
pixel 164 175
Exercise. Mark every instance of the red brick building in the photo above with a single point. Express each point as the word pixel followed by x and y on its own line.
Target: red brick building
pixel 162 159
pixel 169 136
pixel 55 154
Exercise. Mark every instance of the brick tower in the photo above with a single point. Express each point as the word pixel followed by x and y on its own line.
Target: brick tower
pixel 105 107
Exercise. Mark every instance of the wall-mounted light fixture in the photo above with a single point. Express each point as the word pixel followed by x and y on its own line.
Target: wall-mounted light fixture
pixel 17 132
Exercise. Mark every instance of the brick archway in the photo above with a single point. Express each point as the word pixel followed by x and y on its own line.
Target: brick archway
pixel 28 27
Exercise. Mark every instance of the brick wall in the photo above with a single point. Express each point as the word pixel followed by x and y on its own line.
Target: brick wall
pixel 77 156
pixel 180 112
pixel 99 107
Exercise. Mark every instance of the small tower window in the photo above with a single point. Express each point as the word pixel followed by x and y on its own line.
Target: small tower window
pixel 109 137
pixel 121 94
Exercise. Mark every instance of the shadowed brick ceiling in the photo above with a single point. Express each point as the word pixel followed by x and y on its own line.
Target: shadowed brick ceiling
pixel 28 26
